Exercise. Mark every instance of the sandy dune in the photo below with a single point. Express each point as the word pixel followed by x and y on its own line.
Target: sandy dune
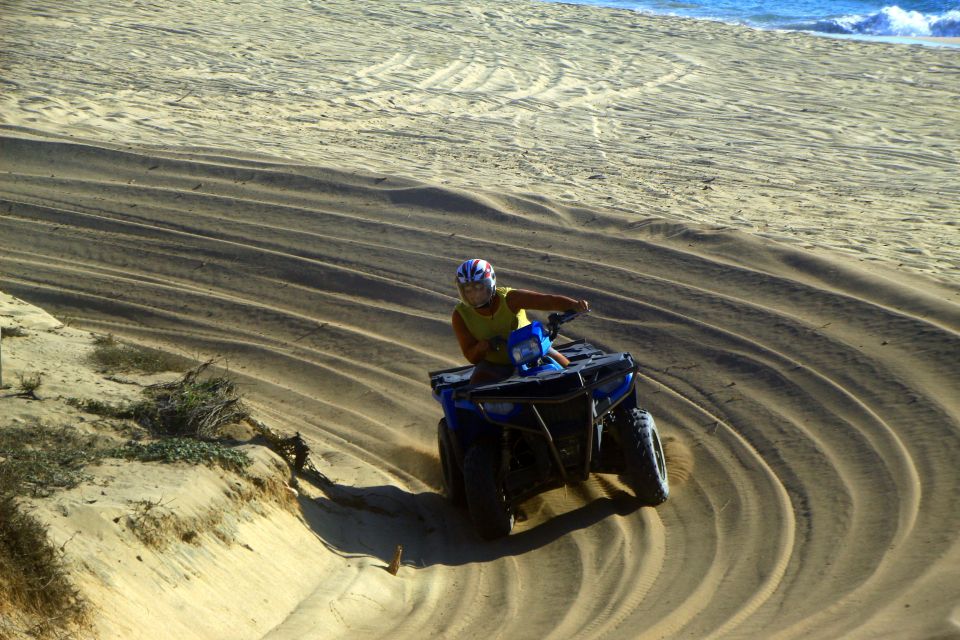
pixel 291 192
pixel 847 145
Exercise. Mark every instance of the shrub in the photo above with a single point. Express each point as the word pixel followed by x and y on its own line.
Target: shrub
pixel 99 407
pixel 190 406
pixel 111 355
pixel 29 384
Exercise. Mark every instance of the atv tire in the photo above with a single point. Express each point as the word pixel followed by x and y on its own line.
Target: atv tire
pixel 645 465
pixel 490 510
pixel 453 487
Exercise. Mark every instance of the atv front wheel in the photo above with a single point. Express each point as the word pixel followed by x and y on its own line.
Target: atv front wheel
pixel 490 510
pixel 452 476
pixel 646 467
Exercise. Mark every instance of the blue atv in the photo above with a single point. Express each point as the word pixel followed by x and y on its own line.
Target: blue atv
pixel 544 427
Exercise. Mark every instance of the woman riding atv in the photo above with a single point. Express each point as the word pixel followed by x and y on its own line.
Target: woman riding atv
pixel 486 314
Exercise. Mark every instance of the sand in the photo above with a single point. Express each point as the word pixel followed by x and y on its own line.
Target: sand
pixel 767 221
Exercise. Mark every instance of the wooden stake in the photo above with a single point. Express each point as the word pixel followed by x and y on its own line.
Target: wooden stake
pixel 395 564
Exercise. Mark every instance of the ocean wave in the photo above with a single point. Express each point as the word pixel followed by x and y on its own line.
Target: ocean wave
pixel 890 21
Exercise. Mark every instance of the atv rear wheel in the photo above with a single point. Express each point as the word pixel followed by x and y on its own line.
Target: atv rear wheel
pixel 490 510
pixel 453 487
pixel 646 467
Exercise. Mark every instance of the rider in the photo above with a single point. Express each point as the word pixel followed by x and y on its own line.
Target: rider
pixel 486 314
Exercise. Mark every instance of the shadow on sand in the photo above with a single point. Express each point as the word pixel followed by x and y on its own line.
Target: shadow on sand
pixel 372 521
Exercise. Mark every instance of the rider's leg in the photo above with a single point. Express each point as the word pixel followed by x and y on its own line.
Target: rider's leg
pixel 561 359
pixel 485 371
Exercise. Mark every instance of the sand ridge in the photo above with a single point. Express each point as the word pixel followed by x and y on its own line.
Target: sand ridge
pixel 198 195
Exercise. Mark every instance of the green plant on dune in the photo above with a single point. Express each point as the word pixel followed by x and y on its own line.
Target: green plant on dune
pixel 185 450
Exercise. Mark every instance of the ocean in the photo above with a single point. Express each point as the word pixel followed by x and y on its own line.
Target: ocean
pixel 851 18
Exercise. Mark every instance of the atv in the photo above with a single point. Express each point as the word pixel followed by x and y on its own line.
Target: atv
pixel 544 427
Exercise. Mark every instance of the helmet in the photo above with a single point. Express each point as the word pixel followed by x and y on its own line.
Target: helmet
pixel 476 282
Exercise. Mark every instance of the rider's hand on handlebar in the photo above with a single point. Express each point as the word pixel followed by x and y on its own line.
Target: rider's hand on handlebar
pixel 582 306
pixel 496 343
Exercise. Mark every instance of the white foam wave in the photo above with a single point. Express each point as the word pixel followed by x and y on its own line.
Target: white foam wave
pixel 894 21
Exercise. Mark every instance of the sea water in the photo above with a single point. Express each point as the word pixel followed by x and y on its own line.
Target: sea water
pixel 856 18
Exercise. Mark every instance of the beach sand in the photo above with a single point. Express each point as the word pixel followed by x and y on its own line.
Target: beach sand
pixel 767 221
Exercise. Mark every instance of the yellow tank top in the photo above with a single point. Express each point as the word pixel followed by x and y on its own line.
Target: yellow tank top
pixel 500 324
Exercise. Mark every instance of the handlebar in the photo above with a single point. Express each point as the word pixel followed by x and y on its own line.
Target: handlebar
pixel 554 320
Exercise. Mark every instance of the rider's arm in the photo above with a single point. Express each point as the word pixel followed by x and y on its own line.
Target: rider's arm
pixel 522 299
pixel 473 350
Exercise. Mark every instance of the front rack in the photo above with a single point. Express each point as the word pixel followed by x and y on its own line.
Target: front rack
pixel 593 415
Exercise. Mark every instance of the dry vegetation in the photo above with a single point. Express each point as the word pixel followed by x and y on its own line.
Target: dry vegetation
pixel 191 406
pixel 29 383
pixel 33 578
pixel 184 417
pixel 13 332
pixel 109 354
pixel 157 525
pixel 35 461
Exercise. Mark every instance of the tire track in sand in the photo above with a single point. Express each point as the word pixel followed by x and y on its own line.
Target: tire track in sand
pixel 814 397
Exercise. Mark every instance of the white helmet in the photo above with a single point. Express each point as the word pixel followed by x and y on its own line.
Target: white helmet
pixel 476 282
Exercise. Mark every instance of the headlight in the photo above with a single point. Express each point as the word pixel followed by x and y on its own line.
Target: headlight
pixel 526 351
pixel 614 387
pixel 498 408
